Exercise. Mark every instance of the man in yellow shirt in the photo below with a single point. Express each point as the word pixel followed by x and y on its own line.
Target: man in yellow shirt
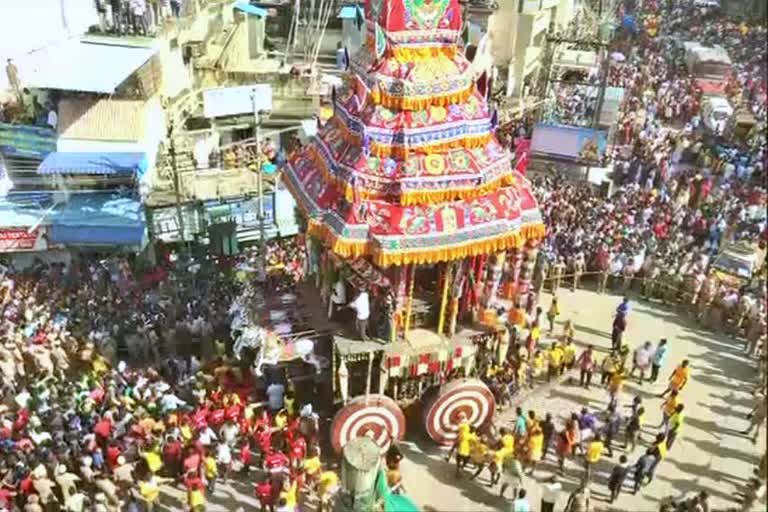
pixel 463 450
pixel 327 488
pixel 678 379
pixel 609 366
pixel 615 385
pixel 668 409
pixel 462 430
pixel 569 356
pixel 592 457
pixel 479 455
pixel 537 366
pixel 659 450
pixel 675 423
pixel 555 361
pixel 535 447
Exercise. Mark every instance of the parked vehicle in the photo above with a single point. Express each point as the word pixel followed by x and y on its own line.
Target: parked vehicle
pixel 716 113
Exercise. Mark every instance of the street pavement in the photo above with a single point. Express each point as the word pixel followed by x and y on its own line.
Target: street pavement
pixel 710 453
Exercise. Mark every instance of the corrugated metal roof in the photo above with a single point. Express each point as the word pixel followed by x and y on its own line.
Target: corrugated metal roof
pixel 95 119
pixel 94 163
pixel 82 66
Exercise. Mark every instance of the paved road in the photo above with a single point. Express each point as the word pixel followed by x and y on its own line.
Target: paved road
pixel 710 453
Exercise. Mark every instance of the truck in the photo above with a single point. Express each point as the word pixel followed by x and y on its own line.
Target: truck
pixel 738 263
pixel 710 66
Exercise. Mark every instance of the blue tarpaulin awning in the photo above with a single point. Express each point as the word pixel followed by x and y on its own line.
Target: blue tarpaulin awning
pixel 243 5
pixel 349 12
pixel 99 219
pixel 125 164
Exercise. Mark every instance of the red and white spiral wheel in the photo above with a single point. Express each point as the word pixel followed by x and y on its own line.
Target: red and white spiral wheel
pixel 463 398
pixel 379 418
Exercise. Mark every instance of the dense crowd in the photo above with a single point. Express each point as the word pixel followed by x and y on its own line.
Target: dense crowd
pixel 679 197
pixel 118 381
pixel 80 429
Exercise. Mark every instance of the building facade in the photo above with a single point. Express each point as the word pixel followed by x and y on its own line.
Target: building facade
pixel 518 31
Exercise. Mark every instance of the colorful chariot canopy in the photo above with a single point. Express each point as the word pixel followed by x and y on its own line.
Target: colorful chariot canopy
pixel 408 169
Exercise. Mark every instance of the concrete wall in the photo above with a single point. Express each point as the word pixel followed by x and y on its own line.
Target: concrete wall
pixel 519 38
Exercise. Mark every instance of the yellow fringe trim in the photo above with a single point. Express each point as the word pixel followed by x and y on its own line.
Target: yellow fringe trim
pixel 471 248
pixel 336 244
pixel 412 197
pixel 419 54
pixel 386 150
pixel 472 142
pixel 420 103
pixel 455 194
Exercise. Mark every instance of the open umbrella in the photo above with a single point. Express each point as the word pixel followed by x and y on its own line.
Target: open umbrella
pixel 618 57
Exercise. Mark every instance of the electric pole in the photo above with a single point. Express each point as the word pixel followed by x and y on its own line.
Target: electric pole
pixel 177 188
pixel 259 185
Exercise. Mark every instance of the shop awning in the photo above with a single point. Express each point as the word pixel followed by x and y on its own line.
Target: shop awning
pixel 350 12
pixel 243 5
pixel 82 66
pixel 99 219
pixel 123 164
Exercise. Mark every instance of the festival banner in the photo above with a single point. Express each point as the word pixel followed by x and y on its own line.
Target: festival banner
pixel 574 144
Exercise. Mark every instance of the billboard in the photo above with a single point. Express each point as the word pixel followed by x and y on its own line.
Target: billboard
pixel 233 101
pixel 574 144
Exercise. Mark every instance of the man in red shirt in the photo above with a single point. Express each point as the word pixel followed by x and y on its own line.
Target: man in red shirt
pixel 172 456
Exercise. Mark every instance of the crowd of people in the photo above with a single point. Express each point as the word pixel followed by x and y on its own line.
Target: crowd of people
pixel 118 383
pixel 680 197
pixel 135 17
pixel 82 429
pixel 586 437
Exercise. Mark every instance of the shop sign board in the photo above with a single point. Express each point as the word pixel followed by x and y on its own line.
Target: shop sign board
pixel 165 223
pixel 244 213
pixel 22 239
pixel 233 101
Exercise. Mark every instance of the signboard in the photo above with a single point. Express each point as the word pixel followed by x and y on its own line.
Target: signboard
pixel 21 239
pixel 232 101
pixel 243 213
pixel 529 6
pixel 574 144
pixel 165 223
pixel 27 141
